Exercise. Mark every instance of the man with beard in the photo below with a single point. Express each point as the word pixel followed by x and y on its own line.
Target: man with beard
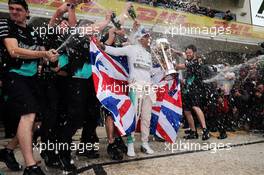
pixel 193 91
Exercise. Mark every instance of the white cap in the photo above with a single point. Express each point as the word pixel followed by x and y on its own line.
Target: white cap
pixel 142 32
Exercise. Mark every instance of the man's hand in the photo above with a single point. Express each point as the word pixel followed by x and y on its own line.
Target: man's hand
pixel 55 69
pixel 177 52
pixel 99 44
pixel 136 25
pixel 63 8
pixel 52 55
pixel 112 30
pixel 128 5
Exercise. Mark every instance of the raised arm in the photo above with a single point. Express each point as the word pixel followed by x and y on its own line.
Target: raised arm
pixel 181 54
pixel 99 26
pixel 66 7
pixel 124 15
pixel 111 36
pixel 120 51
pixel 72 19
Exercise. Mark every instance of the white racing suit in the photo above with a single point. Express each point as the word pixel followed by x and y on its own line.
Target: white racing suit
pixel 141 90
pixel 142 97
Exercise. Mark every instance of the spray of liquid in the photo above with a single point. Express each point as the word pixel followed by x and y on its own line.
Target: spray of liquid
pixel 81 24
pixel 221 74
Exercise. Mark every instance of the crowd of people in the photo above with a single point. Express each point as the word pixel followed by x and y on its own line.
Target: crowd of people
pixel 190 6
pixel 235 100
pixel 48 90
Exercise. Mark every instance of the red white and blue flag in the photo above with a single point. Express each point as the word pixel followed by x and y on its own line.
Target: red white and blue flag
pixel 167 112
pixel 110 79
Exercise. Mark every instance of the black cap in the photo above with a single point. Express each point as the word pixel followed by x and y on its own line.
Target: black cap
pixel 20 2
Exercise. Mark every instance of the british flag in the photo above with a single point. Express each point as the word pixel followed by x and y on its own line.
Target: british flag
pixel 110 80
pixel 108 73
pixel 167 112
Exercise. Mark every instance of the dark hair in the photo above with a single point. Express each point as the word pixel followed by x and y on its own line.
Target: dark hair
pixel 259 52
pixel 262 45
pixel 192 47
pixel 23 3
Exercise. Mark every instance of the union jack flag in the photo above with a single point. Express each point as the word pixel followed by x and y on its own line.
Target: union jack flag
pixel 167 112
pixel 109 72
pixel 110 81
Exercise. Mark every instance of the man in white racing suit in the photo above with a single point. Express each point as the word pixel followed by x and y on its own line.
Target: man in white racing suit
pixel 141 90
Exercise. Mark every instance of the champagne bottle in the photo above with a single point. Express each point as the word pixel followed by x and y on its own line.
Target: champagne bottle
pixel 115 21
pixel 132 13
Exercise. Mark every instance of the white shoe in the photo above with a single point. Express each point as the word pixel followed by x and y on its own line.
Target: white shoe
pixel 145 148
pixel 130 150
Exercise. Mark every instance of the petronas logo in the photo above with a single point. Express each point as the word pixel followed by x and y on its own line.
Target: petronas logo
pixel 261 9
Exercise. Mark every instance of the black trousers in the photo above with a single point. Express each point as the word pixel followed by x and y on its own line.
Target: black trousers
pixel 9 125
pixel 83 111
pixel 48 109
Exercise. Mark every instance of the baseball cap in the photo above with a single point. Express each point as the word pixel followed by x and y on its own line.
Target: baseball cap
pixel 23 3
pixel 141 33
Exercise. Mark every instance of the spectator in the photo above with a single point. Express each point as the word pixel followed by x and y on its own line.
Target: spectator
pixel 193 91
pixel 210 12
pixel 257 108
pixel 228 16
pixel 192 6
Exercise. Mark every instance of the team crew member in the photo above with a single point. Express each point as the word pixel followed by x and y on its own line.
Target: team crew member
pixel 82 106
pixel 22 52
pixel 192 92
pixel 53 82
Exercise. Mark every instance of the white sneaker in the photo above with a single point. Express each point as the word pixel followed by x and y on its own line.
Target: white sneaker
pixel 145 148
pixel 130 150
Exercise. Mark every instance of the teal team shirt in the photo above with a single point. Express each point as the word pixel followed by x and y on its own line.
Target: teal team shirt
pixel 27 69
pixel 85 72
